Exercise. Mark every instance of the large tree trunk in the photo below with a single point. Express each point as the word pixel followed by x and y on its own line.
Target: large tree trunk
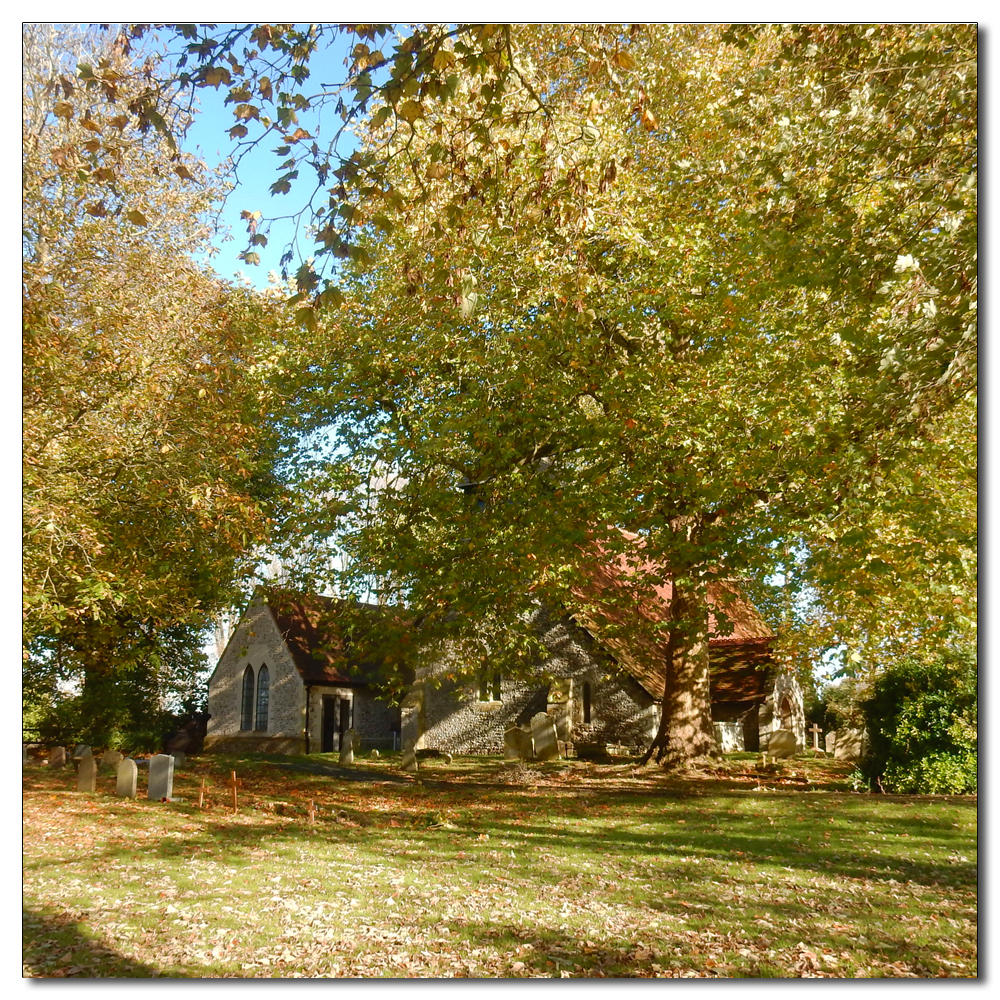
pixel 685 729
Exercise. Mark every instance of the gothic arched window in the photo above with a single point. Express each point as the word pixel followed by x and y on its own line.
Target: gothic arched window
pixel 263 683
pixel 246 716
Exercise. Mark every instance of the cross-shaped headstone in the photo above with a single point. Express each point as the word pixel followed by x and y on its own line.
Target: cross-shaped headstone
pixel 815 730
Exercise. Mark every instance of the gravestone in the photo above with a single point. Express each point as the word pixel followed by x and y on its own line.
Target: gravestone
pixel 111 759
pixel 544 737
pixel 78 754
pixel 446 758
pixel 728 735
pixel 374 755
pixel 86 777
pixel 830 740
pixel 849 744
pixel 161 778
pixel 128 779
pixel 347 747
pixel 781 744
pixel 513 743
pixel 409 761
pixel 57 757
pixel 815 730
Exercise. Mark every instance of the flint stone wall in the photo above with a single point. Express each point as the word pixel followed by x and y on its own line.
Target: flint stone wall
pixel 448 715
pixel 256 643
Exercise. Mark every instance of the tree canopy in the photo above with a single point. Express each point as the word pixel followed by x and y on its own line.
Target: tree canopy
pixel 714 286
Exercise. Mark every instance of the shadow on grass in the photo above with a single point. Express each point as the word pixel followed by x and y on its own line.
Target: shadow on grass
pixel 57 949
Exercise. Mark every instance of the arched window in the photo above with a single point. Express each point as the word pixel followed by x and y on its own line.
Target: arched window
pixel 246 716
pixel 586 701
pixel 263 682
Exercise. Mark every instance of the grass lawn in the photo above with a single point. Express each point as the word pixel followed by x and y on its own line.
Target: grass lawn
pixel 479 869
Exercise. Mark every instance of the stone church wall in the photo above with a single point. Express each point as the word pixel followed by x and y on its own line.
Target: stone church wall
pixel 449 715
pixel 256 643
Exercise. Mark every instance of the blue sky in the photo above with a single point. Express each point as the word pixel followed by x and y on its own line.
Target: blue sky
pixel 208 138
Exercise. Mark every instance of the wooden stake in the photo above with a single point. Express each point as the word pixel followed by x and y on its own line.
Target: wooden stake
pixel 232 782
pixel 201 795
pixel 312 810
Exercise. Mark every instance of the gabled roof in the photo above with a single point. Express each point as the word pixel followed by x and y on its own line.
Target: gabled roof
pixel 620 622
pixel 317 632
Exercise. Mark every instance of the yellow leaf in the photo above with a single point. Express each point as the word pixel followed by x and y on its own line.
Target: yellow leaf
pixel 137 218
pixel 63 109
pixel 410 111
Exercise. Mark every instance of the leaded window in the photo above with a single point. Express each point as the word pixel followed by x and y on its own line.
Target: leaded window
pixel 263 683
pixel 246 716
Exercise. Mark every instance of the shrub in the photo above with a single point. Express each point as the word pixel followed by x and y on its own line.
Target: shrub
pixel 922 725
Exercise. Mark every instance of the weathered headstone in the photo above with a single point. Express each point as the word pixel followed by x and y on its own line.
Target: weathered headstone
pixel 86 777
pixel 728 735
pixel 57 757
pixel 347 747
pixel 78 754
pixel 111 759
pixel 409 761
pixel 127 779
pixel 161 778
pixel 544 737
pixel 849 744
pixel 513 743
pixel 830 740
pixel 781 744
pixel 374 755
pixel 446 758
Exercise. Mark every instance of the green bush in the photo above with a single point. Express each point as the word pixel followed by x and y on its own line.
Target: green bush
pixel 922 725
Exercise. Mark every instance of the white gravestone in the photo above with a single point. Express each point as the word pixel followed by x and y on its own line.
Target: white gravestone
pixel 161 778
pixel 86 777
pixel 127 780
pixel 347 747
pixel 57 757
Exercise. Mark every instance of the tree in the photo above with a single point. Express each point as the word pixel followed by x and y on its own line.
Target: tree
pixel 708 285
pixel 151 435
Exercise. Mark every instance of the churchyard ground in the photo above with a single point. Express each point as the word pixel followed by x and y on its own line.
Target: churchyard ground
pixel 479 869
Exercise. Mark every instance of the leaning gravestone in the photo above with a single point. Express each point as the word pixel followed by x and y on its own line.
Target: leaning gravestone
pixel 544 737
pixel 781 744
pixel 128 779
pixel 849 744
pixel 57 757
pixel 161 778
pixel 86 777
pixel 111 759
pixel 347 747
pixel 409 761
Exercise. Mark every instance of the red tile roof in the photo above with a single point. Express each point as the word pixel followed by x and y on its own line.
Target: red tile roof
pixel 314 631
pixel 622 624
